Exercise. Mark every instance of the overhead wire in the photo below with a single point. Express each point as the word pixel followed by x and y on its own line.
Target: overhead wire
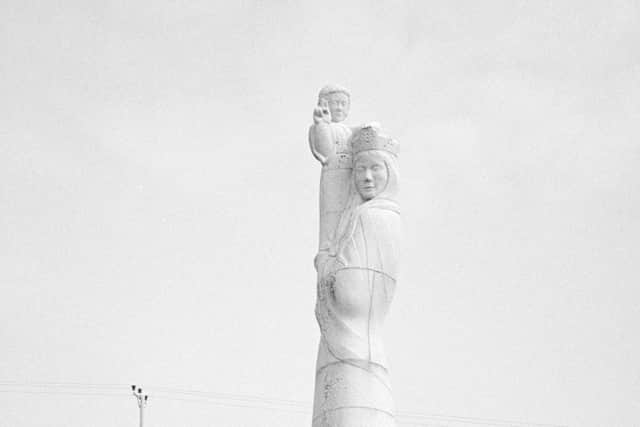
pixel 236 400
pixel 64 384
pixel 230 404
pixel 62 393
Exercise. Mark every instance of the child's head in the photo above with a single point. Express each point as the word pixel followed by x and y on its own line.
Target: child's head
pixel 338 100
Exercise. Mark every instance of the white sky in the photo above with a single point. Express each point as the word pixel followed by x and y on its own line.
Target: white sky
pixel 158 203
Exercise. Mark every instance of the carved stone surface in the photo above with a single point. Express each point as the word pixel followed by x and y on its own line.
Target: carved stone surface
pixel 329 142
pixel 357 265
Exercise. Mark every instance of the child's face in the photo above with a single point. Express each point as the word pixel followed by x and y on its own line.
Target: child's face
pixel 338 106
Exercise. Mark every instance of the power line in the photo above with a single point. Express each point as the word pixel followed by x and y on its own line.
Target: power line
pixel 62 393
pixel 65 384
pixel 487 421
pixel 405 415
pixel 232 404
pixel 243 401
pixel 240 397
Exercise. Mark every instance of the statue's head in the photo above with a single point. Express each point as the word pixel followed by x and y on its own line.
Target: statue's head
pixel 338 99
pixel 375 171
pixel 374 180
pixel 371 174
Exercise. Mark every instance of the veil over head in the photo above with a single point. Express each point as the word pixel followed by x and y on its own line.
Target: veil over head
pixel 387 199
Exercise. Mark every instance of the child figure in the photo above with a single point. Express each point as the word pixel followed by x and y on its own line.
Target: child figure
pixel 329 143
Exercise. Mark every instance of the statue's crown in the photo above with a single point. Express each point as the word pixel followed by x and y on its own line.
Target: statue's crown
pixel 369 137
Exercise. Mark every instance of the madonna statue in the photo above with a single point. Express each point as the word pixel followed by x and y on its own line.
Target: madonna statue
pixel 356 282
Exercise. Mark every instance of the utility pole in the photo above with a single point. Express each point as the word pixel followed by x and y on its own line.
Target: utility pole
pixel 142 401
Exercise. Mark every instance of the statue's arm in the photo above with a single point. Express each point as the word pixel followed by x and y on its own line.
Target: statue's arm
pixel 320 135
pixel 319 141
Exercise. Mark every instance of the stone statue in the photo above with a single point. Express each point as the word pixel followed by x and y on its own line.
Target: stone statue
pixel 329 142
pixel 357 269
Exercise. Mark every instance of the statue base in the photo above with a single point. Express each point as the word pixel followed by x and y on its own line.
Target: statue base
pixel 353 393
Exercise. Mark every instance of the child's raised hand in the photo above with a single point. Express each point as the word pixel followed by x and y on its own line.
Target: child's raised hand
pixel 321 112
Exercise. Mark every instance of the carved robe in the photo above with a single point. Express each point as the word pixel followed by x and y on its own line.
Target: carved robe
pixel 334 180
pixel 355 288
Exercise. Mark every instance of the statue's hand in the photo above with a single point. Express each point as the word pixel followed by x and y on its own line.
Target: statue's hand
pixel 321 113
pixel 320 260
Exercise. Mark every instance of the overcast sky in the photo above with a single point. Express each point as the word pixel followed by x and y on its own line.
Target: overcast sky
pixel 158 205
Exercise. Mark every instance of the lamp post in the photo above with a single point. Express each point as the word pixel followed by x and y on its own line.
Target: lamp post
pixel 142 401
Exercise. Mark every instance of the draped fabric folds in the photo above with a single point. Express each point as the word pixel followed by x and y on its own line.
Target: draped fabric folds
pixel 356 284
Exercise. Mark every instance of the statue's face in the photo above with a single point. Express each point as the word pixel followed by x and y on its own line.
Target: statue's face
pixel 338 106
pixel 371 174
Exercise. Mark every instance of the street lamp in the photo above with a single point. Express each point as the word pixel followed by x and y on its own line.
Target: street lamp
pixel 141 399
